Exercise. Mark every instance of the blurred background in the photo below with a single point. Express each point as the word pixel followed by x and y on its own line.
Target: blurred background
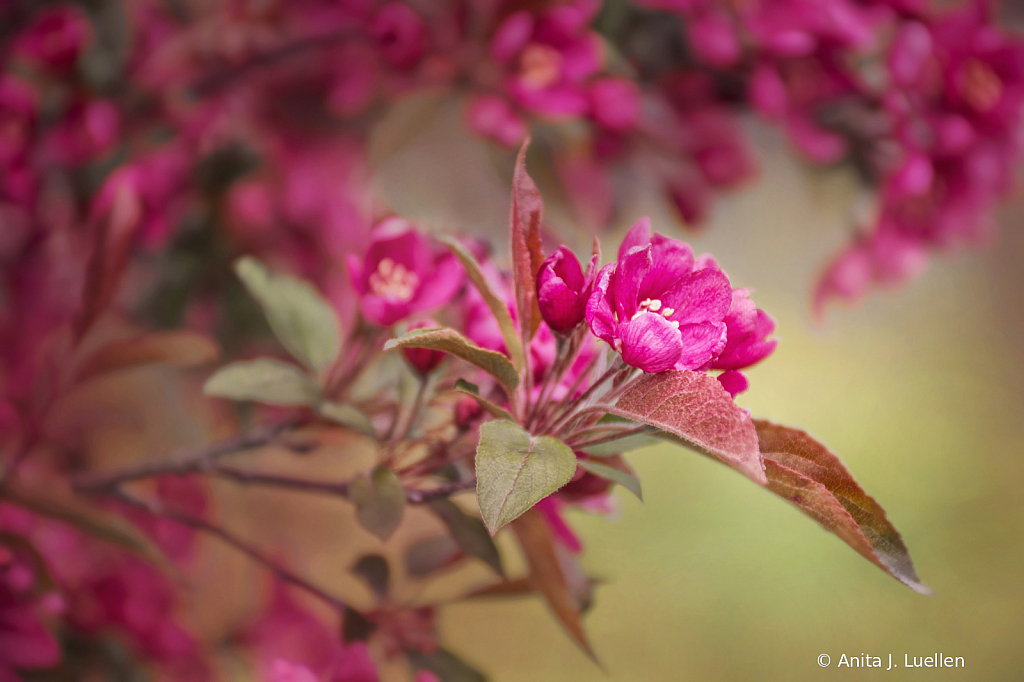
pixel 918 390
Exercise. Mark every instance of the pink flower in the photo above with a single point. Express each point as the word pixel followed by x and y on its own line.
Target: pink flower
pixel 563 290
pixel 615 103
pixel 57 37
pixel 549 57
pixel 402 273
pixel 655 308
pixel 401 34
pixel 492 117
pixel 24 642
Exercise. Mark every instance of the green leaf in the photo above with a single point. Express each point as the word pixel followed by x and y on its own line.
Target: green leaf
pixel 515 470
pixel 379 500
pixel 374 571
pixel 469 533
pixel 803 472
pixel 298 315
pixel 486 405
pixel 497 306
pixel 629 481
pixel 451 341
pixel 265 381
pixel 348 415
pixel 694 407
pixel 447 666
pixel 432 554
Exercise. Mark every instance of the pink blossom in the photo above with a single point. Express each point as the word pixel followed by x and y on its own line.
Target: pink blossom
pixel 615 103
pixel 655 308
pixel 24 642
pixel 18 110
pixel 402 273
pixel 57 37
pixel 401 34
pixel 549 57
pixel 492 117
pixel 563 289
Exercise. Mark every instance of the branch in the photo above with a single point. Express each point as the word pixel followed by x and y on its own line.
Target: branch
pixel 225 536
pixel 412 496
pixel 184 461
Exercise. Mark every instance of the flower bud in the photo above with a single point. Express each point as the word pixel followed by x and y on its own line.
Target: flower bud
pixel 423 360
pixel 467 411
pixel 563 290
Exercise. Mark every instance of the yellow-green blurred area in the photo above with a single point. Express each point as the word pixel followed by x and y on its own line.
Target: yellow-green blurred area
pixel 918 390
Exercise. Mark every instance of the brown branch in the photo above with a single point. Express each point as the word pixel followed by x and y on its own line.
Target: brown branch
pixel 412 496
pixel 186 461
pixel 229 538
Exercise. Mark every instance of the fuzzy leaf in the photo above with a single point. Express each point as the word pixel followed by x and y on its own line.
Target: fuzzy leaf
pixel 526 216
pixel 627 480
pixel 265 381
pixel 496 305
pixel 547 576
pixel 177 348
pixel 451 341
pixel 463 386
pixel 347 415
pixel 695 407
pixel 803 471
pixel 380 502
pixel 298 315
pixel 469 533
pixel 515 470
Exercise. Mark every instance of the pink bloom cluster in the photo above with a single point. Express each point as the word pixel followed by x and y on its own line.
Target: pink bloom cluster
pixel 662 309
pixel 926 100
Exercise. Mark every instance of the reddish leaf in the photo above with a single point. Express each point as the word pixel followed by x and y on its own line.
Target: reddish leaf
pixel 547 577
pixel 802 471
pixel 176 348
pixel 506 588
pixel 524 227
pixel 115 230
pixel 694 407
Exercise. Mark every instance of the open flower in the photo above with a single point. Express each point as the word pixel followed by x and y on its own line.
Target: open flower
pixel 659 308
pixel 402 273
pixel 563 289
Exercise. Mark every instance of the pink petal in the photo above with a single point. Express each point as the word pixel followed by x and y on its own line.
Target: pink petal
pixel 703 295
pixel 630 272
pixel 600 314
pixel 638 235
pixel 734 382
pixel 650 342
pixel 700 342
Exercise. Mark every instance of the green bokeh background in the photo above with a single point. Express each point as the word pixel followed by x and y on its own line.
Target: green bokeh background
pixel 918 390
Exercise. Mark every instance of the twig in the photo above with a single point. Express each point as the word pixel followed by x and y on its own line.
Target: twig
pixel 335 489
pixel 622 433
pixel 226 536
pixel 186 461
